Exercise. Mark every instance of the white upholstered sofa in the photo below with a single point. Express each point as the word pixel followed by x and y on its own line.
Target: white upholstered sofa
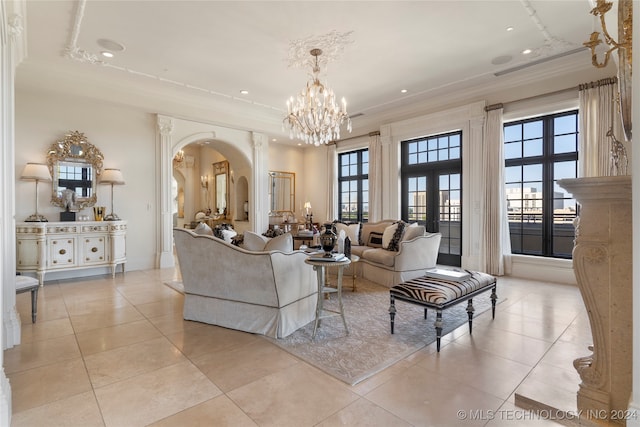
pixel 417 251
pixel 271 293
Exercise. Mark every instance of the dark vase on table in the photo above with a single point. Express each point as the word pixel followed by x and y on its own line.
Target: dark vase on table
pixel 328 240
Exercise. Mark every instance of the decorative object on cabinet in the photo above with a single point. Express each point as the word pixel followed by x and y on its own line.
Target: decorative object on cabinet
pixel 98 213
pixel 282 191
pixel 113 177
pixel 74 163
pixel 35 172
pixel 65 246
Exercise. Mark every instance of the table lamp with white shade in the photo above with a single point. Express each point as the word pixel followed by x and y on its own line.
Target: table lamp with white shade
pixel 36 172
pixel 113 177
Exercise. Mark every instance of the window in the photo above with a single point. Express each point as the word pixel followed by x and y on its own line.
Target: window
pixel 432 189
pixel 538 152
pixel 353 182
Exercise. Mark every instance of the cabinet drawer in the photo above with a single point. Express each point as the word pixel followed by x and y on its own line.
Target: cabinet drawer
pixel 94 250
pixel 62 252
pixel 27 253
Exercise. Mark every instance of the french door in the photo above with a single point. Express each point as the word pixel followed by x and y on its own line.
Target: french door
pixel 432 190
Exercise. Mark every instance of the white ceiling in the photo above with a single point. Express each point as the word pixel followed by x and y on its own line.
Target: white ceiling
pixel 201 54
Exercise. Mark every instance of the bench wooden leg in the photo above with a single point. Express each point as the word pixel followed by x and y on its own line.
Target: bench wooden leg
pixel 438 325
pixel 392 311
pixel 470 311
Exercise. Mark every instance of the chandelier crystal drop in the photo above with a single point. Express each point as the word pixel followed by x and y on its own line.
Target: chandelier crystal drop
pixel 314 116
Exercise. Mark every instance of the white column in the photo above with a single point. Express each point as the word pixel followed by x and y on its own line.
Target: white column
pixel 12 49
pixel 472 190
pixel 259 188
pixel 390 176
pixel 165 166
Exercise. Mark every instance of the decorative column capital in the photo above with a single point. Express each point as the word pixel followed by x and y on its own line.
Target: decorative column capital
pixel 15 26
pixel 165 125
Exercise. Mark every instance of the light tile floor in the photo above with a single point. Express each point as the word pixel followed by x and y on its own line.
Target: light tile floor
pixel 116 352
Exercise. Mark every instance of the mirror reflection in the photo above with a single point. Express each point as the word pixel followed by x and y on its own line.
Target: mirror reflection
pixel 282 188
pixel 221 186
pixel 74 164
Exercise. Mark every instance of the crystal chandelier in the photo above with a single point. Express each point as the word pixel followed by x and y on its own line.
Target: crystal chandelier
pixel 313 116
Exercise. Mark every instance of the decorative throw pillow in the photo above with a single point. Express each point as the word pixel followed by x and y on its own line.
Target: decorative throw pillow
pixel 283 243
pixel 203 228
pixel 352 231
pixel 393 235
pixel 375 239
pixel 253 241
pixel 412 231
pixel 273 232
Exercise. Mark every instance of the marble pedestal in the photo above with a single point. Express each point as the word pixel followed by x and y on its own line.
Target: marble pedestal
pixel 603 266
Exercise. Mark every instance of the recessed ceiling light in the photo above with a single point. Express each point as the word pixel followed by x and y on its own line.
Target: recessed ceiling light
pixel 273 140
pixel 510 28
pixel 244 92
pixel 526 51
pixel 111 45
pixel 106 54
pixel 403 90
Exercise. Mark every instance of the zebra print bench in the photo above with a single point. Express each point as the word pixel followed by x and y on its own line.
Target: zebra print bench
pixel 441 294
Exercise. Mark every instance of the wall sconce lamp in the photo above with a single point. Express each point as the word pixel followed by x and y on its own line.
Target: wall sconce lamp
pixel 36 172
pixel 624 32
pixel 113 177
pixel 204 181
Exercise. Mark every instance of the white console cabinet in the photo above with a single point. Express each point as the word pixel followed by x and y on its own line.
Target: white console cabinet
pixel 62 246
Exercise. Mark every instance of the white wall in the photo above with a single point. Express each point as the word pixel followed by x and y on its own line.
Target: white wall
pixel 126 138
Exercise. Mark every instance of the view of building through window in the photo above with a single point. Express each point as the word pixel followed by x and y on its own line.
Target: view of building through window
pixel 538 152
pixel 432 189
pixel 353 183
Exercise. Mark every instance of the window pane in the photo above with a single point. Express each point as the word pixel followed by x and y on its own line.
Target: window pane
pixel 512 133
pixel 532 130
pixel 532 172
pixel 513 150
pixel 533 148
pixel 565 124
pixel 565 143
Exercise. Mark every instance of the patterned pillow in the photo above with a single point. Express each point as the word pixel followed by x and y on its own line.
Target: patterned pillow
pixel 375 239
pixel 393 235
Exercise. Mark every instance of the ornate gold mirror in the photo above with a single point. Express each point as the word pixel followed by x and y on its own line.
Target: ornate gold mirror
pixel 221 187
pixel 74 164
pixel 282 191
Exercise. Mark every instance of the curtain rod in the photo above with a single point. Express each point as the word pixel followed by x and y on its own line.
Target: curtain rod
pixel 583 86
pixel 370 134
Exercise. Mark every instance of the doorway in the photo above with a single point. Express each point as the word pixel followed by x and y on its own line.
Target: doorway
pixel 431 186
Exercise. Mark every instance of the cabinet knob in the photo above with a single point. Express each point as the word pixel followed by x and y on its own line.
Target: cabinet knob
pixel 62 251
pixel 94 249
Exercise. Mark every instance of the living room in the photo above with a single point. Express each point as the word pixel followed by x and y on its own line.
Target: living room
pixel 140 131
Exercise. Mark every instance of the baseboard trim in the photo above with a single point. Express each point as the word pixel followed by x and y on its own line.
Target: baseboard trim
pixel 5 399
pixel 12 328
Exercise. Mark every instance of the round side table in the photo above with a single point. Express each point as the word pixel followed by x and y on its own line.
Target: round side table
pixel 321 268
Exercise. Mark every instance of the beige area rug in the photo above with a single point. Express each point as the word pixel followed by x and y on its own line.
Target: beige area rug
pixel 369 348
